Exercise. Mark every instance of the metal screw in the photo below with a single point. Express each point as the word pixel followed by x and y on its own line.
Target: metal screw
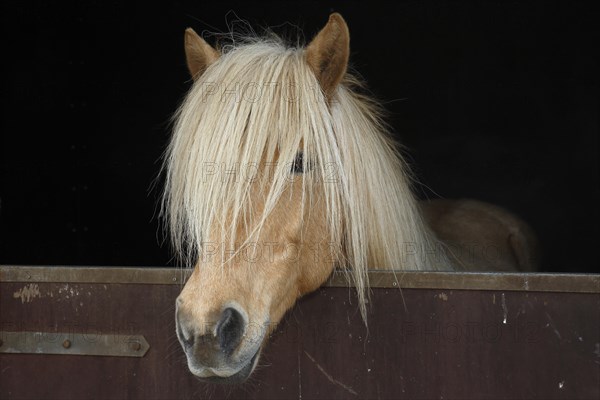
pixel 67 343
pixel 135 346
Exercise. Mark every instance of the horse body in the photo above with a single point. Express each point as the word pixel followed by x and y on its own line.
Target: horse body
pixel 478 236
pixel 279 170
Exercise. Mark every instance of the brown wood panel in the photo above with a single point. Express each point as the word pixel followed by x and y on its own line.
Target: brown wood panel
pixel 536 282
pixel 421 343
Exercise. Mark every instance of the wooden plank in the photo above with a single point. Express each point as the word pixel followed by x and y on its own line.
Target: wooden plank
pixel 537 282
pixel 420 343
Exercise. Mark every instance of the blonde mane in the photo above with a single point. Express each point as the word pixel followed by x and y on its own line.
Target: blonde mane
pixel 257 106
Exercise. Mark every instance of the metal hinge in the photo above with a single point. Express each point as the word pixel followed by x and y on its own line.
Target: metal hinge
pixel 73 344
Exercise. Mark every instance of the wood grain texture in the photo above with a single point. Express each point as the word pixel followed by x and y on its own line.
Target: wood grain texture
pixel 421 343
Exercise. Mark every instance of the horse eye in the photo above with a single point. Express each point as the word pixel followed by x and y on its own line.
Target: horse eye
pixel 298 164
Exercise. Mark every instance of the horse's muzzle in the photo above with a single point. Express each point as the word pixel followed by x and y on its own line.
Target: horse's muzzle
pixel 216 351
pixel 225 336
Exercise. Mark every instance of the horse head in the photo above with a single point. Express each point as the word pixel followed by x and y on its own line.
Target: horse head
pixel 274 177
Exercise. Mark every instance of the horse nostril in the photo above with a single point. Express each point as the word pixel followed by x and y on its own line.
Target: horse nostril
pixel 187 342
pixel 230 329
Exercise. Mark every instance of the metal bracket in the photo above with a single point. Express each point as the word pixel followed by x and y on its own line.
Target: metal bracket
pixel 73 344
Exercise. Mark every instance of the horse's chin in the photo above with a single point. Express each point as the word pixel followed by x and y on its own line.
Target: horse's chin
pixel 205 375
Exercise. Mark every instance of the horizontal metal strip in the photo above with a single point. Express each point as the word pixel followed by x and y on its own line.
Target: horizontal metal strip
pixel 82 344
pixel 75 274
pixel 535 282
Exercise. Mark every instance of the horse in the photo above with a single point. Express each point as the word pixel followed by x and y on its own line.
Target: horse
pixel 281 169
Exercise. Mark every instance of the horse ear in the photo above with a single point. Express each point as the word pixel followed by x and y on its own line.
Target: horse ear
pixel 327 54
pixel 199 54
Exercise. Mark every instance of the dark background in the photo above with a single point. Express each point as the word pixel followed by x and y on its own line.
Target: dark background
pixel 495 101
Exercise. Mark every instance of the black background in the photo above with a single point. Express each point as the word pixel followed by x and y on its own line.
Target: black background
pixel 495 101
